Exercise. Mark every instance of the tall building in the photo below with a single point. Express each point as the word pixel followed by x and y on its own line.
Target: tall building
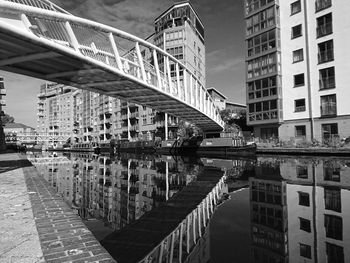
pixel 56 113
pixel 296 64
pixel 180 32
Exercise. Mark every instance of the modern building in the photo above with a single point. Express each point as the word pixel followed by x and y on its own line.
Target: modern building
pixel 179 31
pixel 296 62
pixel 56 112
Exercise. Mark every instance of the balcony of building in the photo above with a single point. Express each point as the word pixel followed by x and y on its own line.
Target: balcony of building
pixel 263 116
pixel 322 4
pixel 135 127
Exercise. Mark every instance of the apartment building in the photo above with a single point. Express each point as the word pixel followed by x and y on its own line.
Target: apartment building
pixel 56 112
pixel 296 65
pixel 313 210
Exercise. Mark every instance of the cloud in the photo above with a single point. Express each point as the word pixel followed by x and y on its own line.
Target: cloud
pixel 229 64
pixel 133 16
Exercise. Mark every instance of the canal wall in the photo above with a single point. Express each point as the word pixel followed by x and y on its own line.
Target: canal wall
pixel 57 234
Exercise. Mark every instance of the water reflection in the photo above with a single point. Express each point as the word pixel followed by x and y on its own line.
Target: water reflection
pixel 299 210
pixel 164 202
pixel 298 207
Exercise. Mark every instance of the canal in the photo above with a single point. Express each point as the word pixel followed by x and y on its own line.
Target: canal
pixel 148 208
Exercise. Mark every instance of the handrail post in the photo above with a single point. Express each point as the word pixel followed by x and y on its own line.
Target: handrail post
pixel 73 40
pixel 185 85
pixel 155 61
pixel 115 51
pixel 140 59
pixel 178 80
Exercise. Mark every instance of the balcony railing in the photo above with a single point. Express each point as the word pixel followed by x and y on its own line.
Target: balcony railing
pixel 327 83
pixel 322 4
pixel 267 115
pixel 324 29
pixel 329 109
pixel 300 108
pixel 325 56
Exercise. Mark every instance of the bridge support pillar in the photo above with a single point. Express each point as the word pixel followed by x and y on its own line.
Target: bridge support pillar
pixel 166 125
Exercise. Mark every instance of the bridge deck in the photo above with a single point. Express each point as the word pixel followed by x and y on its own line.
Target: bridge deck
pixel 135 241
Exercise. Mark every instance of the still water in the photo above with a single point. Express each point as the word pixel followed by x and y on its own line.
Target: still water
pixel 175 209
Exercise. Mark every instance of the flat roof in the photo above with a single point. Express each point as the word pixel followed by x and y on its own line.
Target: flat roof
pixel 179 4
pixel 214 89
pixel 236 104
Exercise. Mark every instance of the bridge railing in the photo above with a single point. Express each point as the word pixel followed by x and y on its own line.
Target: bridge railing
pixel 118 50
pixel 188 232
pixel 43 4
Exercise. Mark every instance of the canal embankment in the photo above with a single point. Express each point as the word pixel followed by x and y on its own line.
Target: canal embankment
pixel 326 151
pixel 36 224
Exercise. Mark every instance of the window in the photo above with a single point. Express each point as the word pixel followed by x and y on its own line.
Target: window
pixel 305 224
pixel 261 43
pixel 295 7
pixel 324 25
pixel 260 21
pixel 328 105
pixel 299 80
pixel 305 250
pixel 265 87
pixel 334 253
pixel 298 55
pixel 296 31
pixel 325 51
pixel 262 66
pixel 332 199
pixel 302 171
pixel 322 4
pixel 304 199
pixel 334 226
pixel 331 172
pixel 299 105
pixel 300 131
pixel 327 78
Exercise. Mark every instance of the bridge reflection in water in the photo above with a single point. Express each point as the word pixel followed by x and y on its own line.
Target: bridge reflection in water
pixel 158 207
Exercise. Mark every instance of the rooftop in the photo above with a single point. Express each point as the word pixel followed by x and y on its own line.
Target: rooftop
pixel 15 125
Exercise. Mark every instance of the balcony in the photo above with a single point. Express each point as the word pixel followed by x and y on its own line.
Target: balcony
pixel 322 4
pixel 325 56
pixel 300 108
pixel 328 109
pixel 327 83
pixel 324 29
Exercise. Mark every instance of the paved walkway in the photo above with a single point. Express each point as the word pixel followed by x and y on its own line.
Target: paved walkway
pixel 36 225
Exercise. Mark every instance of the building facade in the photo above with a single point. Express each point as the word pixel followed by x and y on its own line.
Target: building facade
pixel 296 61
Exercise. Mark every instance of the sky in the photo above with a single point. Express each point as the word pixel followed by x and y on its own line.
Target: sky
pixel 224 40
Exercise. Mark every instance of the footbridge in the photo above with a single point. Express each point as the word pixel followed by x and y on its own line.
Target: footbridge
pixel 41 40
pixel 170 232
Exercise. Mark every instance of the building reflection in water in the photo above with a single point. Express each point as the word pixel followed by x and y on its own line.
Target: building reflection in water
pixel 120 190
pixel 299 210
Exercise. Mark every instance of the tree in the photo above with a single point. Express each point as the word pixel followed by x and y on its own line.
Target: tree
pixel 7 119
pixel 235 119
pixel 187 130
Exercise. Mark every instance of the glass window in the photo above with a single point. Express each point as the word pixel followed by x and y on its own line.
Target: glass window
pixel 295 7
pixel 328 105
pixel 332 198
pixel 324 25
pixel 300 131
pixel 299 80
pixel 305 224
pixel 299 105
pixel 327 78
pixel 305 250
pixel 304 199
pixel 298 55
pixel 296 31
pixel 325 51
pixel 335 253
pixel 334 226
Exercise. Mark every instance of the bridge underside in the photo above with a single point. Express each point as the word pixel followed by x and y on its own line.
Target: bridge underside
pixel 28 56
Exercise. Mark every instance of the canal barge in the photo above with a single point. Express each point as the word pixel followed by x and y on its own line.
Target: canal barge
pixel 220 147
